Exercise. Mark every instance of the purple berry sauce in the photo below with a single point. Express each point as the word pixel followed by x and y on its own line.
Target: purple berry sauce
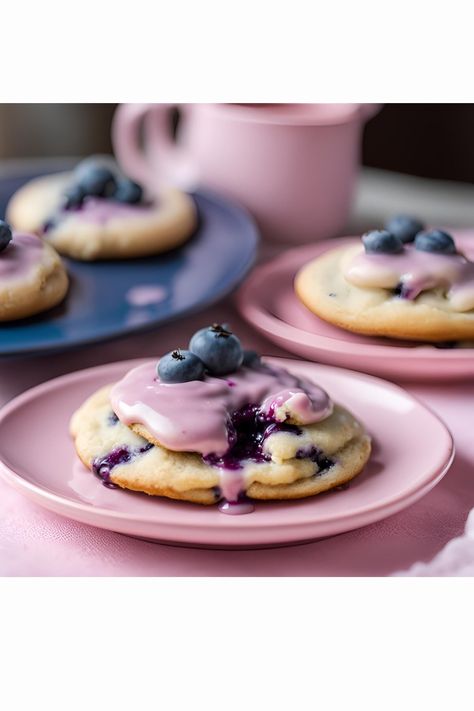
pixel 102 466
pixel 248 429
pixel 324 463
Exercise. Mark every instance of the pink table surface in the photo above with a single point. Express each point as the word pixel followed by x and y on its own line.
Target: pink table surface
pixel 34 541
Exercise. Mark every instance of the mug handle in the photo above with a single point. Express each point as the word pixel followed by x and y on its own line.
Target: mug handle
pixel 159 159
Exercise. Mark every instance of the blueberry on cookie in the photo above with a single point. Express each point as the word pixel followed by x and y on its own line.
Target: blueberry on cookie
pixel 182 430
pixel 218 348
pixel 381 242
pixel 180 367
pixel 435 241
pixel 404 227
pixel 419 290
pixel 94 213
pixel 128 191
pixel 96 181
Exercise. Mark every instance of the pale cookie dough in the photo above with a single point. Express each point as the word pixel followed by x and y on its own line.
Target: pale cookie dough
pixel 322 287
pixel 32 278
pixel 339 443
pixel 102 228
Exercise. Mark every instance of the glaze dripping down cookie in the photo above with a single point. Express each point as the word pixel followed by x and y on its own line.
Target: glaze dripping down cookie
pixel 257 432
pixel 420 288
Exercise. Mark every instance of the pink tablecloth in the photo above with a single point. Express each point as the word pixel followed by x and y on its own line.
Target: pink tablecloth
pixel 36 542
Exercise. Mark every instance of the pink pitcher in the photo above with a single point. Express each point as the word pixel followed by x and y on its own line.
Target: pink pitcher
pixel 293 166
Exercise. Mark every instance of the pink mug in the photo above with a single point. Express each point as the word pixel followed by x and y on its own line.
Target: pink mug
pixel 294 166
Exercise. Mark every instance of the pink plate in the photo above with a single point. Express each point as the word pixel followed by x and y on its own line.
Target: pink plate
pixel 268 301
pixel 412 451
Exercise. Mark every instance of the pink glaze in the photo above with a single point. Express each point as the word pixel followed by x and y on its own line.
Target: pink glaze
pixel 193 416
pixel 417 271
pixel 412 452
pixel 21 256
pixel 146 295
pixel 236 508
pixel 101 210
pixel 232 483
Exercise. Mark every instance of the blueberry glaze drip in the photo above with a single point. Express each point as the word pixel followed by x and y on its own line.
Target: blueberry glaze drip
pixel 102 466
pixel 248 428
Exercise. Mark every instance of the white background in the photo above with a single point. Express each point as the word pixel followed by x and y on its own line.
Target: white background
pixel 235 643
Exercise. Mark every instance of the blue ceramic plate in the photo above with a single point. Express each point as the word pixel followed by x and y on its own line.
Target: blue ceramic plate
pixel 113 298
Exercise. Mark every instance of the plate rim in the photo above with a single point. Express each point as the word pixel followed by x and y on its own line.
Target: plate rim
pixel 375 513
pixel 263 319
pixel 224 290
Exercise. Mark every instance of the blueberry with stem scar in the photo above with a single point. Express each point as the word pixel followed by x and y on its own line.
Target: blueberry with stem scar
pixel 180 367
pixel 5 235
pixel 218 348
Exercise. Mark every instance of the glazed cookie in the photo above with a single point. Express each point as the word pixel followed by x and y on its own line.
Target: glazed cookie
pixel 257 431
pixel 32 276
pixel 419 288
pixel 93 214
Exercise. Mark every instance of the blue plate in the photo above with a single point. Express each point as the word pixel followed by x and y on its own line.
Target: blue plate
pixel 112 298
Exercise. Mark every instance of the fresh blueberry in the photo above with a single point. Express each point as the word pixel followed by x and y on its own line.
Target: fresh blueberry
pixel 382 242
pixel 5 235
pixel 435 241
pixel 218 348
pixel 251 359
pixel 404 227
pixel 73 197
pixel 180 367
pixel 128 191
pixel 89 163
pixel 97 181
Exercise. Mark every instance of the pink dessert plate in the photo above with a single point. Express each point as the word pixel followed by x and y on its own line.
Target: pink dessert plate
pixel 412 450
pixel 268 301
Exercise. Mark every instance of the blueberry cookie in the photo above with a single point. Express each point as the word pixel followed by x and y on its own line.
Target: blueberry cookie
pixel 32 276
pixel 408 284
pixel 216 424
pixel 93 213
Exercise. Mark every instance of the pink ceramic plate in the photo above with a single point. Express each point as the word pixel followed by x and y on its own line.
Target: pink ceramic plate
pixel 268 301
pixel 412 451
